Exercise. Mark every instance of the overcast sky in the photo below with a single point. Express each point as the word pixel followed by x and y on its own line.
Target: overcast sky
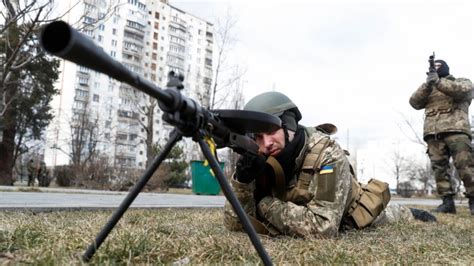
pixel 352 63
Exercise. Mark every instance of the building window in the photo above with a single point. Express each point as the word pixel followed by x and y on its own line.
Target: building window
pixel 95 98
pixel 114 31
pixel 83 81
pixel 154 56
pixel 157 25
pixel 89 20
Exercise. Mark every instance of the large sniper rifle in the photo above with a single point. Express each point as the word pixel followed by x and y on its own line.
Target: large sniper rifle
pixel 227 128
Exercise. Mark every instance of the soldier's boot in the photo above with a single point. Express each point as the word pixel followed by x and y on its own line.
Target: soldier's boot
pixel 471 205
pixel 422 215
pixel 447 206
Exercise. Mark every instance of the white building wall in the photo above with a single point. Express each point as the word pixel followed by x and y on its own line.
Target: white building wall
pixel 105 97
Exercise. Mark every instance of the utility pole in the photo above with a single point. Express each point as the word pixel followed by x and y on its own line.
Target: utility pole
pixel 347 140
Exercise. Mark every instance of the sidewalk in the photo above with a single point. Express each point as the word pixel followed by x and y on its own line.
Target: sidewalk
pixel 18 187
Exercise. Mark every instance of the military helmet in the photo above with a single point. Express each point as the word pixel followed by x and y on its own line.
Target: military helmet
pixel 278 104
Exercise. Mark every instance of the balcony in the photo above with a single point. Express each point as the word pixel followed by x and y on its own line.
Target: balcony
pixel 135 27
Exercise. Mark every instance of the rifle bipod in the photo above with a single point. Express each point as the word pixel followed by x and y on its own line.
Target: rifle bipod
pixel 175 136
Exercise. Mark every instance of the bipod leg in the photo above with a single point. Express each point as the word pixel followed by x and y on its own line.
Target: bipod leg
pixel 174 137
pixel 229 194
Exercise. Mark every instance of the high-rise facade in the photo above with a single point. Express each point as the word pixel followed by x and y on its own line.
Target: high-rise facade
pixel 150 38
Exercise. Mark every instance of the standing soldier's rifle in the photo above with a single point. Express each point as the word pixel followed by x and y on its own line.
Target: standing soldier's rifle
pixel 432 67
pixel 228 128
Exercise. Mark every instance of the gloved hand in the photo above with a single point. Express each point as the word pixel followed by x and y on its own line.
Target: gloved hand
pixel 249 167
pixel 432 78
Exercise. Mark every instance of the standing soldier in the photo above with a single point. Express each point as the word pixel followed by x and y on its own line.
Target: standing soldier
pixel 31 172
pixel 447 130
pixel 43 178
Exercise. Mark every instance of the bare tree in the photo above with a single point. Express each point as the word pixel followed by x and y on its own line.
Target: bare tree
pixel 24 71
pixel 420 172
pixel 144 108
pixel 236 102
pixel 84 138
pixel 27 76
pixel 407 127
pixel 226 74
pixel 397 165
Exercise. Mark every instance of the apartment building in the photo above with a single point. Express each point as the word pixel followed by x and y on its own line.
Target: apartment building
pixel 150 38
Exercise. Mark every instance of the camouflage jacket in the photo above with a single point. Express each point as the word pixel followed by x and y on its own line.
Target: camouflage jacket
pixel 320 212
pixel 31 167
pixel 446 105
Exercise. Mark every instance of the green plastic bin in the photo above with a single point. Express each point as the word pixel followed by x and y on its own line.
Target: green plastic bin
pixel 203 181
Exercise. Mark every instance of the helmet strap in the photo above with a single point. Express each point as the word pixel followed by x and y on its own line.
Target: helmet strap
pixel 287 136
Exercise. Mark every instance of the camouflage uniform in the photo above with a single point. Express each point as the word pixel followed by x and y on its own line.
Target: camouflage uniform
pixel 43 178
pixel 320 210
pixel 447 130
pixel 31 172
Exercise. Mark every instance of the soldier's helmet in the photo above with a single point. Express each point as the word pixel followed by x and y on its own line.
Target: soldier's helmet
pixel 276 103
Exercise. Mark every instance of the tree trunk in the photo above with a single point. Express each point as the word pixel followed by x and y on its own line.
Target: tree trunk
pixel 150 153
pixel 7 147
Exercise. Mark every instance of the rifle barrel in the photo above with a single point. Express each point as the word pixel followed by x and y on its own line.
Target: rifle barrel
pixel 60 39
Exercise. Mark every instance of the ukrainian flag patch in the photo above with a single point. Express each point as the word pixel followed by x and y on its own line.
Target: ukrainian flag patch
pixel 327 169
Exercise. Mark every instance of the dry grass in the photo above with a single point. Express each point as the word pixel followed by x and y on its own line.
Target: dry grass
pixel 197 236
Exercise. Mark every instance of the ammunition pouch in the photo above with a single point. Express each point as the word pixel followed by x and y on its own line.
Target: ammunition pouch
pixel 433 112
pixel 439 103
pixel 368 202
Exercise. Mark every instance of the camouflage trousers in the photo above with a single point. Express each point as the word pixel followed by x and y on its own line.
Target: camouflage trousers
pixel 393 213
pixel 440 149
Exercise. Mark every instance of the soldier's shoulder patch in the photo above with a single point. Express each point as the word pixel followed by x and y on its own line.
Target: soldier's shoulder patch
pixel 326 169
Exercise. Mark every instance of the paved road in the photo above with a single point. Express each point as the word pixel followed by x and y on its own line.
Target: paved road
pixel 50 198
pixel 57 199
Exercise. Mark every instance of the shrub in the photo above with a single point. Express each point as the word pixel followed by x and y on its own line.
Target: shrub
pixel 64 175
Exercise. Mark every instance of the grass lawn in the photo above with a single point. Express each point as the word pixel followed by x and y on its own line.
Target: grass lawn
pixel 197 236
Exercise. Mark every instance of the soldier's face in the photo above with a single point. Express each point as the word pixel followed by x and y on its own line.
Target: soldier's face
pixel 271 143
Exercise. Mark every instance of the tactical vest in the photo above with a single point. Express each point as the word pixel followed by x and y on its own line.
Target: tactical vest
pixel 439 103
pixel 444 114
pixel 364 203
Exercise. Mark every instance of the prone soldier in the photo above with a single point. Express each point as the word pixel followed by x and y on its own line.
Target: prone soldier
pixel 302 183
